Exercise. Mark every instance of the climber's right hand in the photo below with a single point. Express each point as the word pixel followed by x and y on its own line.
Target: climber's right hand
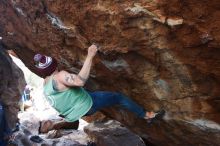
pixel 92 50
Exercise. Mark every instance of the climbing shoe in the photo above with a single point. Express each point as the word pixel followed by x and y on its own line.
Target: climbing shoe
pixel 158 116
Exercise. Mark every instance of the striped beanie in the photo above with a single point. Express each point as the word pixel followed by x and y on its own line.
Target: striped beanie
pixel 45 65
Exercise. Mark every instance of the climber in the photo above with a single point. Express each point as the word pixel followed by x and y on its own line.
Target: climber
pixel 64 91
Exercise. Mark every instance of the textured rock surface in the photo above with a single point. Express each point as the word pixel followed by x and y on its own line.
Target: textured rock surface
pixel 29 126
pixel 112 133
pixel 162 53
pixel 11 86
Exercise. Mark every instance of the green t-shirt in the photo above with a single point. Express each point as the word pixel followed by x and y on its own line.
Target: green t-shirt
pixel 72 103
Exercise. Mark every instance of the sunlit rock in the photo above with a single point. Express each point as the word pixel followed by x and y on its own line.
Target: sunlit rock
pixel 174 21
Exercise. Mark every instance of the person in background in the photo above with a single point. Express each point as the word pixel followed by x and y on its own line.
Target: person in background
pixel 64 91
pixel 25 101
pixel 27 91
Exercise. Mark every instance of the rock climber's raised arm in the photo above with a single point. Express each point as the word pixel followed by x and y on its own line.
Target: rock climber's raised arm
pixel 80 79
pixel 69 79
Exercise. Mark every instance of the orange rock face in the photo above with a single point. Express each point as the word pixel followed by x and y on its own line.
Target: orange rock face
pixel 161 53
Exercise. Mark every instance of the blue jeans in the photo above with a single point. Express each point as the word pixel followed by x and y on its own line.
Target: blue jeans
pixel 102 99
pixel 4 129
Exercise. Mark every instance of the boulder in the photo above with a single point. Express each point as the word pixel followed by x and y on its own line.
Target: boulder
pixel 112 133
pixel 161 53
pixel 11 87
pixel 29 128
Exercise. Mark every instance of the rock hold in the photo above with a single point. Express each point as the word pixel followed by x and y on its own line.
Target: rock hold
pixel 174 21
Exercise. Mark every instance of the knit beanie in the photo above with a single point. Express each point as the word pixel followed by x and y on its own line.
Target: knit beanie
pixel 45 65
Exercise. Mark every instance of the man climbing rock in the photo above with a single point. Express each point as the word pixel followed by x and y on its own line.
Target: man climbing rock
pixel 66 94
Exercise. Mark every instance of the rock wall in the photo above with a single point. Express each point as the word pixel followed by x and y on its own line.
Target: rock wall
pixel 162 53
pixel 11 87
pixel 112 133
